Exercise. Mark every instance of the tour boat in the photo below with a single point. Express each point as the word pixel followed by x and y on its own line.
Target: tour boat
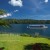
pixel 37 26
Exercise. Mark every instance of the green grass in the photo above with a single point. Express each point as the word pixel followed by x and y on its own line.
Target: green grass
pixel 17 42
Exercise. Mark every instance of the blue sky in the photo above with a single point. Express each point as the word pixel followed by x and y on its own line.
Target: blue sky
pixel 26 9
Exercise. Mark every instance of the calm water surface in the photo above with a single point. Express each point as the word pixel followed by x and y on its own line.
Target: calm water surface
pixel 22 28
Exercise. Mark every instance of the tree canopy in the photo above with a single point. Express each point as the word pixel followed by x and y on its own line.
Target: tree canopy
pixel 2 11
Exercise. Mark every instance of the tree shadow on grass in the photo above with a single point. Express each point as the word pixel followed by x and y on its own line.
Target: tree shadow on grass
pixel 37 46
pixel 2 48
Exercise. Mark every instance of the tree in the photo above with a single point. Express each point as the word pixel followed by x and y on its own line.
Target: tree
pixel 2 11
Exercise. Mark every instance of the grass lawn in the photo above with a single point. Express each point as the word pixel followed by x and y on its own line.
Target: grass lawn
pixel 16 42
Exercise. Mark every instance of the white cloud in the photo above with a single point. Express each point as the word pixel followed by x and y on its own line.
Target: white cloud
pixel 5 15
pixel 16 3
pixel 46 1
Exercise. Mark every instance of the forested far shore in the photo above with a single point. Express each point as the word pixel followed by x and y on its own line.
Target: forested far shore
pixel 23 21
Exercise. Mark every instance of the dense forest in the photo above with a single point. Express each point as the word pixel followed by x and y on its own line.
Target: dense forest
pixel 23 21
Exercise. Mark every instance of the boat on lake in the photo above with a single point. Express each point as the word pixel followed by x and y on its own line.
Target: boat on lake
pixel 37 26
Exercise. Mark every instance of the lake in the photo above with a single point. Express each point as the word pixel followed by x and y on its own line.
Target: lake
pixel 22 28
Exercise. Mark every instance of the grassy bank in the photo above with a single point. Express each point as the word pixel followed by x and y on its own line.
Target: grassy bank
pixel 17 42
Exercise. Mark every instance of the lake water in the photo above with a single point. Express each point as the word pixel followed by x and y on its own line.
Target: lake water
pixel 22 28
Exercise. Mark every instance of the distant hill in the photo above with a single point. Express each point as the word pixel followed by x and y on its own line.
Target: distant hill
pixel 23 21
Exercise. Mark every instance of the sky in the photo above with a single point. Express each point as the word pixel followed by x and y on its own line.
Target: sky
pixel 26 9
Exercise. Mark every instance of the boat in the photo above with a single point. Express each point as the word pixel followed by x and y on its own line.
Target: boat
pixel 37 26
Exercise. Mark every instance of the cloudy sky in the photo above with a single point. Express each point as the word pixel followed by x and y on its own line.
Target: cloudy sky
pixel 26 9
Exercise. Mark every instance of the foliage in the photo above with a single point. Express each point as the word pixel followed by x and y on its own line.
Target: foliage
pixel 26 35
pixel 2 11
pixel 37 46
pixel 24 21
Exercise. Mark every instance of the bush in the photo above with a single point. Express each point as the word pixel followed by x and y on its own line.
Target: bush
pixel 37 46
pixel 26 35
